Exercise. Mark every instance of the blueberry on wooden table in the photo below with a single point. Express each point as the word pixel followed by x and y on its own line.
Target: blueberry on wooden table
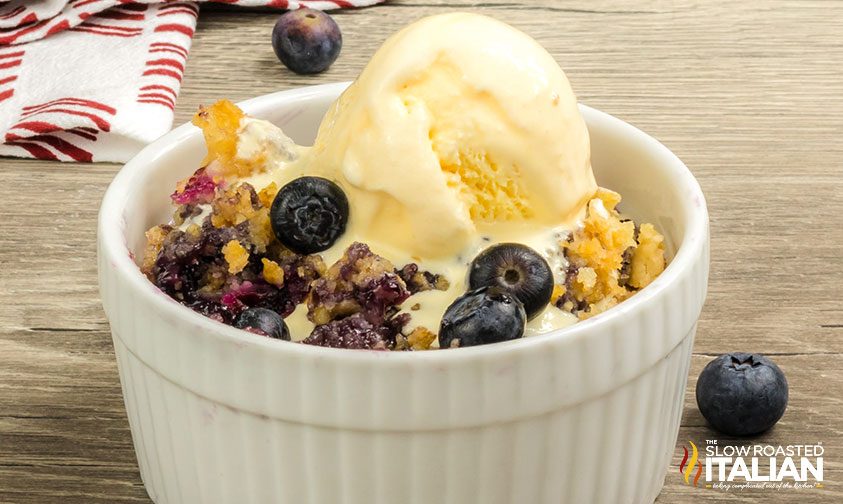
pixel 307 41
pixel 742 394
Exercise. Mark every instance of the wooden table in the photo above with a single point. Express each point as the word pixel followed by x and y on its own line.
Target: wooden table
pixel 748 94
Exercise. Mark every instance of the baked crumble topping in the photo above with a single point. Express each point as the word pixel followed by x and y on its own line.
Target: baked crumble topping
pixel 220 256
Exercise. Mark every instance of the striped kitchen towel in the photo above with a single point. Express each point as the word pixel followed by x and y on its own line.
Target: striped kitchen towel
pixel 96 80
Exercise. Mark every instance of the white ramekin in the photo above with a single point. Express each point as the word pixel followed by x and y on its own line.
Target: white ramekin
pixel 588 414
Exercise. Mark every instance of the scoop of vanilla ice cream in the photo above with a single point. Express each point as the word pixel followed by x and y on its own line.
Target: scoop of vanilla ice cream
pixel 458 124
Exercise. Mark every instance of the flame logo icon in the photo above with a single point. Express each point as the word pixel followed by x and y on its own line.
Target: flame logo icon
pixel 686 468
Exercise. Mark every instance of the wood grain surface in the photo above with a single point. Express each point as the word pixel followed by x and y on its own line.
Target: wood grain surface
pixel 748 94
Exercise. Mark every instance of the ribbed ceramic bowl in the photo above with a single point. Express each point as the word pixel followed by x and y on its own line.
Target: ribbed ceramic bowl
pixel 588 414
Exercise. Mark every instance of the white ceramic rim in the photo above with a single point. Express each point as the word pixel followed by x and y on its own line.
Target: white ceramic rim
pixel 114 247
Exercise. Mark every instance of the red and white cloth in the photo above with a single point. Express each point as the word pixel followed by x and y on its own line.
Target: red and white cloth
pixel 96 80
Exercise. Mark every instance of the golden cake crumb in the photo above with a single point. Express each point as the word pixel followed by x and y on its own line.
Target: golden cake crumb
pixel 267 194
pixel 272 272
pixel 648 258
pixel 154 241
pixel 238 204
pixel 260 229
pixel 220 125
pixel 194 230
pixel 236 256
pixel 421 338
pixel 234 206
pixel 598 248
pixel 609 198
pixel 558 292
pixel 586 279
pixel 599 307
pixel 610 259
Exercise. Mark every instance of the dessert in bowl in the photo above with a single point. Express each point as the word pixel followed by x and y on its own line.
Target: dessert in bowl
pixel 219 414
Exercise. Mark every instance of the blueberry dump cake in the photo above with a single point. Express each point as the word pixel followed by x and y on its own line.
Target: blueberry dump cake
pixel 447 201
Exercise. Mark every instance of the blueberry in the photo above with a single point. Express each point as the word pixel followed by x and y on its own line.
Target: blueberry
pixel 309 214
pixel 742 394
pixel 264 322
pixel 482 316
pixel 518 269
pixel 307 41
